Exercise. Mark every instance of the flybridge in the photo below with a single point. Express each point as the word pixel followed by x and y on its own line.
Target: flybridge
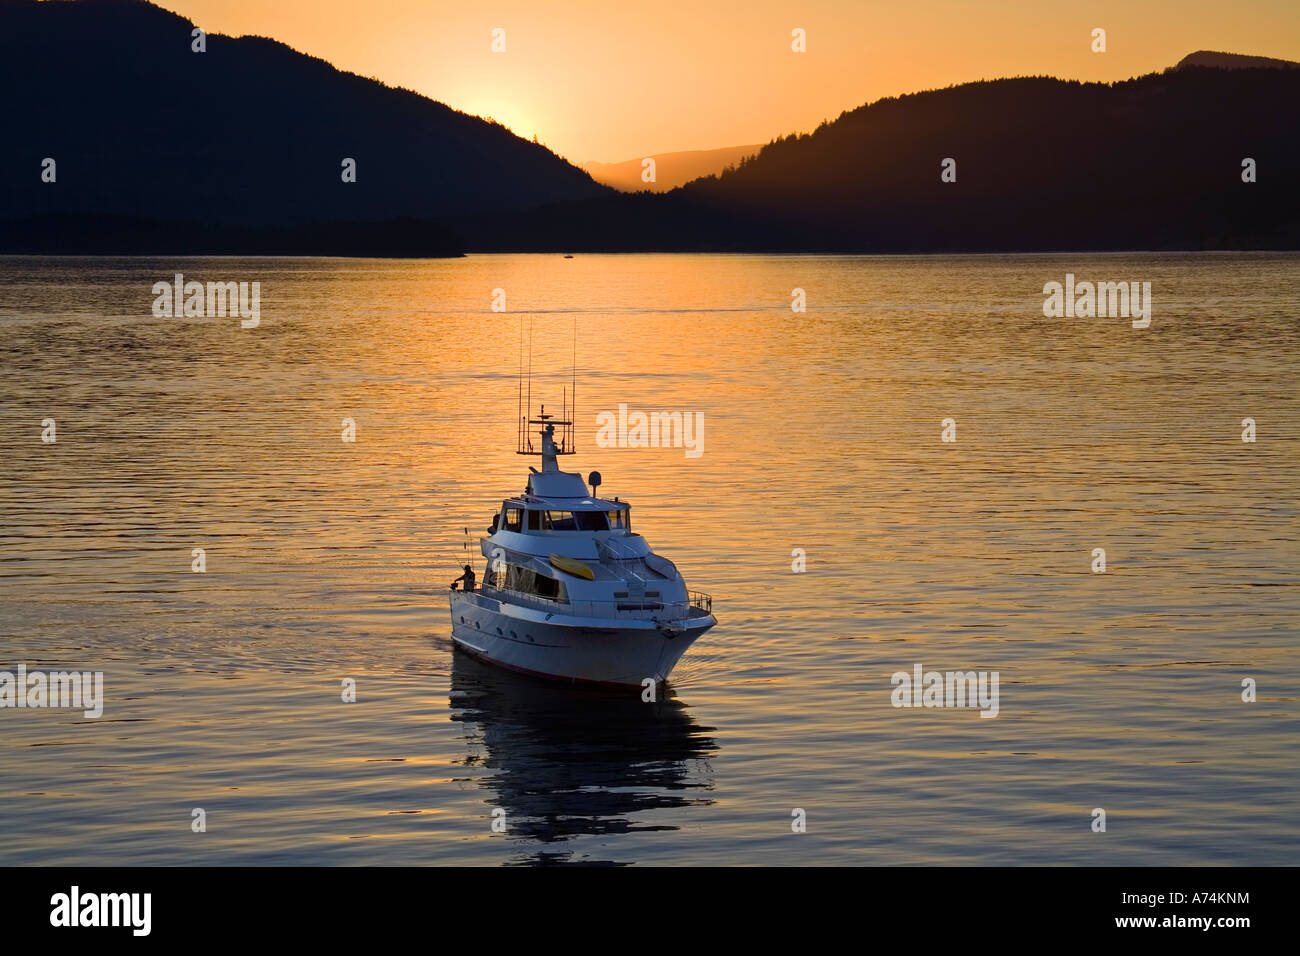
pixel 557 484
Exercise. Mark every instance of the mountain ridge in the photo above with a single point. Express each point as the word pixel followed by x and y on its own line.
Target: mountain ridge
pixel 1233 61
pixel 1041 164
pixel 157 147
pixel 672 169
pixel 248 133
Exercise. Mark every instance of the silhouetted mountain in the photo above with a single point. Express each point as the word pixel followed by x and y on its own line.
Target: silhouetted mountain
pixel 1233 61
pixel 671 169
pixel 248 133
pixel 240 147
pixel 1150 163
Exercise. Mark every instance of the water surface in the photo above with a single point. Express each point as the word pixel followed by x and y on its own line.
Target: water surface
pixel 327 560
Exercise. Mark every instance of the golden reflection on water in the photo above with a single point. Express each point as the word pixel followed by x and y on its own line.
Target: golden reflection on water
pixel 327 560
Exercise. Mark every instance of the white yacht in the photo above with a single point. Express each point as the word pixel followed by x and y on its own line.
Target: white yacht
pixel 571 592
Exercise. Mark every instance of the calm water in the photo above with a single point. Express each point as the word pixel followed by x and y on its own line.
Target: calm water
pixel 328 560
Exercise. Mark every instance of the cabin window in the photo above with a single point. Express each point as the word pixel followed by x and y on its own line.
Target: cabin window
pixel 567 521
pixel 558 521
pixel 620 520
pixel 528 581
pixel 514 519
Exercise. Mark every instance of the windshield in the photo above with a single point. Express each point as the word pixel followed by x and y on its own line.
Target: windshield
pixel 577 520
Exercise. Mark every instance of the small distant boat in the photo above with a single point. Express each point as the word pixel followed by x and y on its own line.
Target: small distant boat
pixel 567 256
pixel 571 592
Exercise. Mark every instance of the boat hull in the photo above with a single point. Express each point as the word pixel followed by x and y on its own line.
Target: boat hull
pixel 598 651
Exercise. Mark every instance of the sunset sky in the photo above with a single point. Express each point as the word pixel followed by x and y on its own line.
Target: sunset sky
pixel 613 81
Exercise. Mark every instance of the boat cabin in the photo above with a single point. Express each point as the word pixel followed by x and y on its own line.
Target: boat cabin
pixel 534 516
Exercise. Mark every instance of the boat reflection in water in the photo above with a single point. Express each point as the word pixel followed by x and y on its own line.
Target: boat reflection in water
pixel 566 764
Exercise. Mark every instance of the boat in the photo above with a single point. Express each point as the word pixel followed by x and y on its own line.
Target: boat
pixel 571 592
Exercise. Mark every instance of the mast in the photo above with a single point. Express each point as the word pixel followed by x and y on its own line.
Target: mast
pixel 571 444
pixel 549 449
pixel 530 379
pixel 519 400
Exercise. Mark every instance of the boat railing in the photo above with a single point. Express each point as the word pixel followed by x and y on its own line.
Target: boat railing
pixel 642 609
pixel 700 600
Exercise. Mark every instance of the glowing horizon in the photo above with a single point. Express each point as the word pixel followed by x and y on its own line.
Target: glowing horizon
pixel 596 83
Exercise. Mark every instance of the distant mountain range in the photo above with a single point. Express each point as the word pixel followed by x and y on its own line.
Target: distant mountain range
pixel 1156 162
pixel 678 169
pixel 248 134
pixel 670 169
pixel 1153 162
pixel 241 148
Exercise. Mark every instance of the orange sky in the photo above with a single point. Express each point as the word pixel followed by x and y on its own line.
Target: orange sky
pixel 614 81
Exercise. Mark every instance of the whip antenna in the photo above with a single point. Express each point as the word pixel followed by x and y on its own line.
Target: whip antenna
pixel 573 393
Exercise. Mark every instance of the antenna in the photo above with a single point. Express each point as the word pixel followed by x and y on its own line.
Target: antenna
pixel 550 424
pixel 573 394
pixel 528 409
pixel 519 402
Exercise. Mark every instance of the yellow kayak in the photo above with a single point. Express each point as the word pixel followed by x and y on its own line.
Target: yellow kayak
pixel 578 569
